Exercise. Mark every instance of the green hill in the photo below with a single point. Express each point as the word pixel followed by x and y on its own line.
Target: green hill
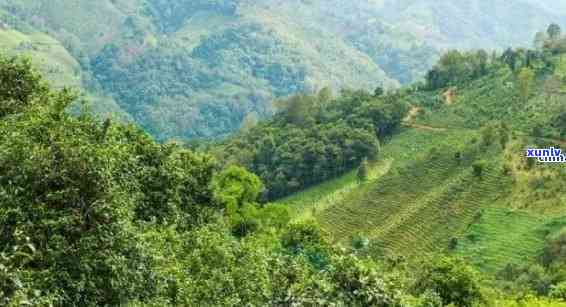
pixel 454 180
pixel 198 69
pixel 415 196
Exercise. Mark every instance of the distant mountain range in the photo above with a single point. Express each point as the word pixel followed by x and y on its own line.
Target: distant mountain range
pixel 199 68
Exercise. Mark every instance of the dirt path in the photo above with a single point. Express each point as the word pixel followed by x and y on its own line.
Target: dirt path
pixel 409 121
pixel 412 115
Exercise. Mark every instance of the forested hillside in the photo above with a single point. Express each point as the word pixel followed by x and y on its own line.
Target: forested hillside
pixel 315 138
pixel 455 181
pixel 363 161
pixel 196 69
pixel 97 213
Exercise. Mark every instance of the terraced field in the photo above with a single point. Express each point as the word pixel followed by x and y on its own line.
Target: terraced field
pixel 419 206
pixel 503 236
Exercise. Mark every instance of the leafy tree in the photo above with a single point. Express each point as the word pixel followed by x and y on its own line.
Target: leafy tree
pixel 325 95
pixel 297 109
pixel 300 236
pixel 97 213
pixel 87 184
pixel 20 85
pixel 558 291
pixel 360 284
pixel 527 278
pixel 454 281
pixel 455 67
pixel 510 57
pixel 76 209
pixel 555 249
pixel 316 141
pixel 378 91
pixel 237 190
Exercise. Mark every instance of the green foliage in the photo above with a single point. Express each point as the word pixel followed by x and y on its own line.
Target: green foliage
pixel 526 77
pixel 75 209
pixel 171 15
pixel 311 140
pixel 361 284
pixel 455 68
pixel 237 191
pixel 454 281
pixel 555 249
pixel 20 85
pixel 74 188
pixel 303 235
pixel 195 69
pixel 235 187
pixel 527 278
pixel 479 167
pixel 558 291
pixel 95 213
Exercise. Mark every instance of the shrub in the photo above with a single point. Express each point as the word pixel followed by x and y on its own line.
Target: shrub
pixel 558 291
pixel 479 167
pixel 455 282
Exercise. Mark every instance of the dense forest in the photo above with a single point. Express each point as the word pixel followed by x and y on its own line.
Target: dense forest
pixel 198 69
pixel 315 137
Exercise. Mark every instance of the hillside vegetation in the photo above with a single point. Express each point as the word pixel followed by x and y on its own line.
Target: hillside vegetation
pixel 454 179
pixel 314 138
pixel 98 213
pixel 199 69
pixel 419 195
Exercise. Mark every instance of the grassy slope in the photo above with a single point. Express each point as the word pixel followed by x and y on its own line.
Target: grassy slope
pixel 496 97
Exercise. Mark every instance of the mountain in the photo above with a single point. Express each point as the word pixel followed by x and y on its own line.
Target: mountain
pixel 198 69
